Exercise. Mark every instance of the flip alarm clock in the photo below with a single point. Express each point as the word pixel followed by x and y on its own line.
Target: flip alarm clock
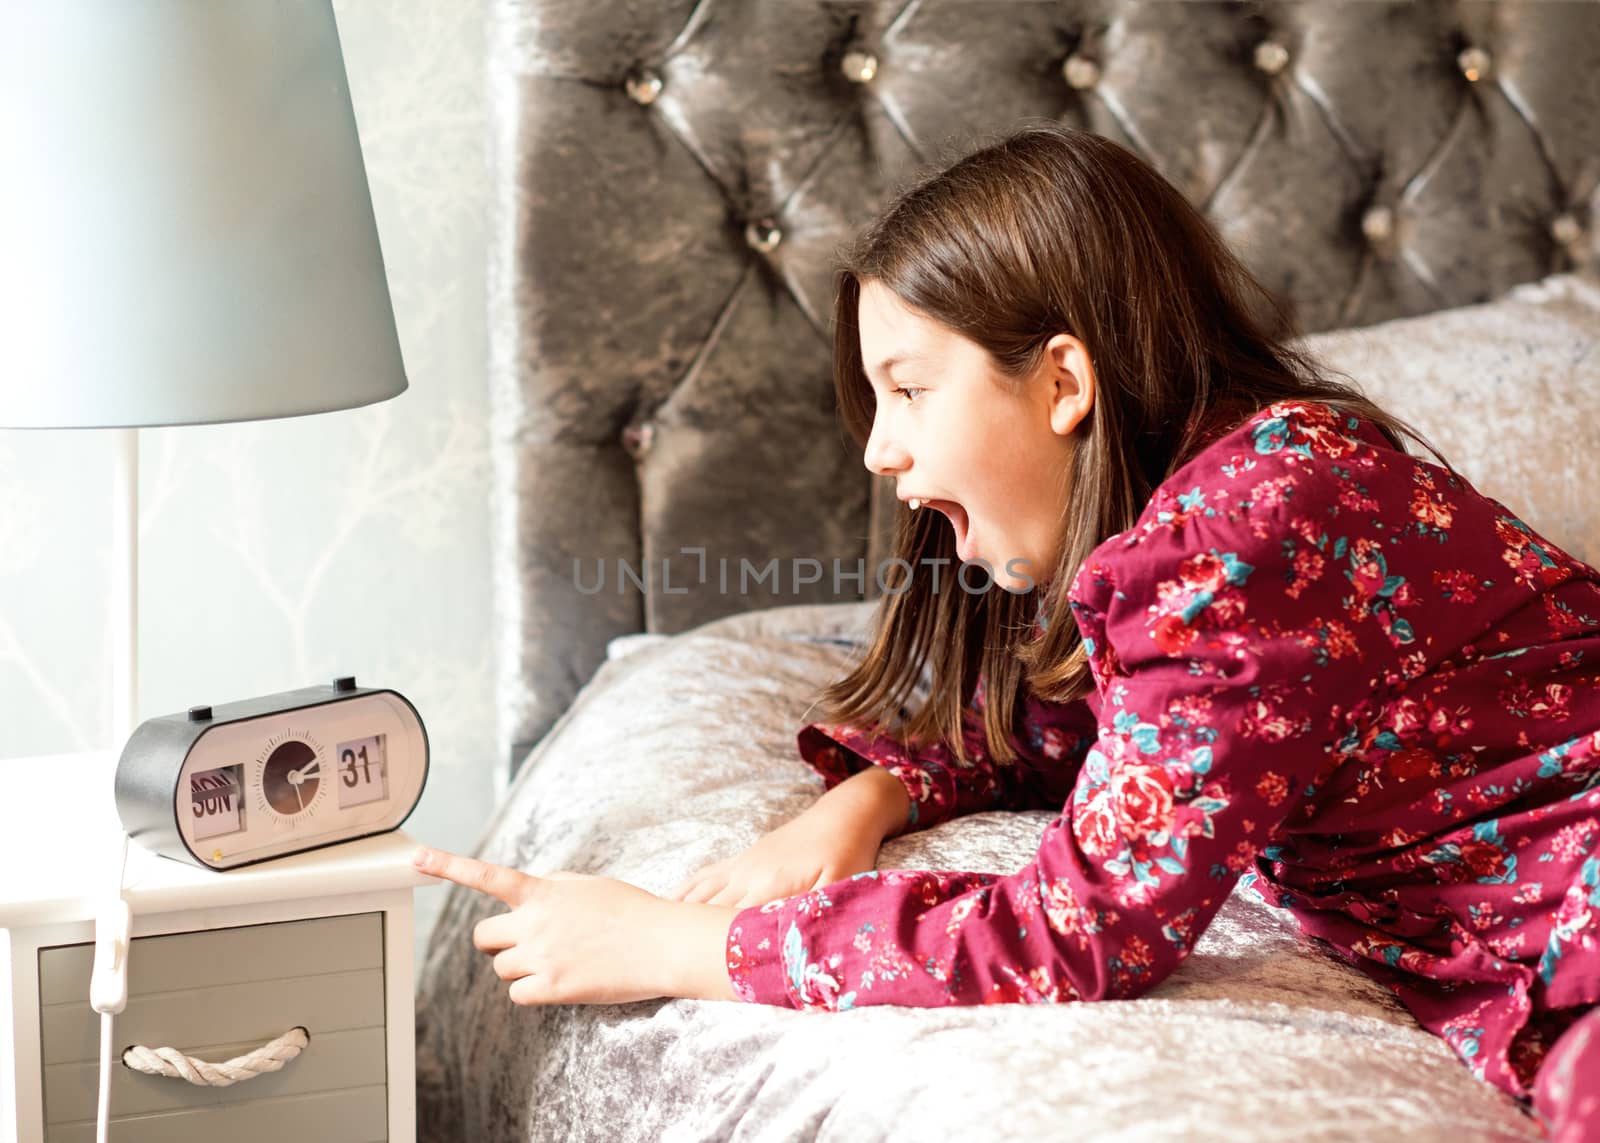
pixel 265 777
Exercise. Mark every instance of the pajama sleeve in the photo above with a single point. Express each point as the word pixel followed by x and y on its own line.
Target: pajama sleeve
pixel 1230 632
pixel 1051 746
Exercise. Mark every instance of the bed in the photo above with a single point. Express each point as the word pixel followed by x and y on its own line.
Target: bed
pixel 1417 182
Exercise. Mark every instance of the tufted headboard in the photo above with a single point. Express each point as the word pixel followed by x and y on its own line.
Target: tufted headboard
pixel 674 178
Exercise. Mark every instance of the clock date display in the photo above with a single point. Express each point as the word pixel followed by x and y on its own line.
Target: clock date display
pixel 363 769
pixel 216 798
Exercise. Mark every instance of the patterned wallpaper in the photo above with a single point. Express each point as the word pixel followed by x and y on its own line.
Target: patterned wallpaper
pixel 280 554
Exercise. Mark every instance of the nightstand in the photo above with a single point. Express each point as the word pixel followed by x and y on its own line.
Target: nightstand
pixel 219 964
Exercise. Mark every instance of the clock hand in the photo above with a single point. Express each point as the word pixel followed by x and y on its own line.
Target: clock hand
pixel 301 800
pixel 310 770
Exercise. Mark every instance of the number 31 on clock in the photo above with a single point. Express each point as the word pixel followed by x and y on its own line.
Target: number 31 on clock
pixel 363 772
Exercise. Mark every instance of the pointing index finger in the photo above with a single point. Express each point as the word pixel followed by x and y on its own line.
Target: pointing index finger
pixel 507 885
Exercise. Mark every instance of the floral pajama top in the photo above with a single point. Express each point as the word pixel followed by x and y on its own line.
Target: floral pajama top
pixel 1320 665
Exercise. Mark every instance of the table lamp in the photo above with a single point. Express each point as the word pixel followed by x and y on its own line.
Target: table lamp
pixel 187 234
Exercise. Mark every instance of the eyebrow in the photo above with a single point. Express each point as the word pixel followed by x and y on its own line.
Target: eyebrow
pixel 891 361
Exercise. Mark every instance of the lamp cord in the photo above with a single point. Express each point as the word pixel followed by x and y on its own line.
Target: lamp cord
pixel 103 1110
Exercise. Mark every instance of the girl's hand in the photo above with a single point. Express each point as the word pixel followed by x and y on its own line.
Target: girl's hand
pixel 814 849
pixel 572 938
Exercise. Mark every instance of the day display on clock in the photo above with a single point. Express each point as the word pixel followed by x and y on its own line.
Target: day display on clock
pixel 217 799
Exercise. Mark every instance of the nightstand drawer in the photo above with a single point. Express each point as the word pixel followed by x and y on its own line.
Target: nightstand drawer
pixel 214 995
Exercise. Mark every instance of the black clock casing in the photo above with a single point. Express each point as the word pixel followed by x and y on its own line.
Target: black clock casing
pixel 151 793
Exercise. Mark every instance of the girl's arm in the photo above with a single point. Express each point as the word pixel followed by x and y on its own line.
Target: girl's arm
pixel 939 786
pixel 697 936
pixel 874 798
pixel 878 788
pixel 570 938
pixel 834 838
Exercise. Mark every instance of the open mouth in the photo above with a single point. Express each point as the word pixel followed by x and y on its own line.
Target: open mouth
pixel 957 516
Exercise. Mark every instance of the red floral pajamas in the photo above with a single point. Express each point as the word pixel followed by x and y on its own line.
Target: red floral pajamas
pixel 1321 665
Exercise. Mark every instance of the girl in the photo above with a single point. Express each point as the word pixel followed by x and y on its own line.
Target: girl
pixel 1266 643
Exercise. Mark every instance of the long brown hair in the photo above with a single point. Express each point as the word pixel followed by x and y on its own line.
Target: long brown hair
pixel 1054 230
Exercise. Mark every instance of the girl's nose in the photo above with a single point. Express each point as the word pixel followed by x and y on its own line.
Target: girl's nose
pixel 883 456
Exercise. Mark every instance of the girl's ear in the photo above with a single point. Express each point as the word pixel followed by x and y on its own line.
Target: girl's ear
pixel 1069 374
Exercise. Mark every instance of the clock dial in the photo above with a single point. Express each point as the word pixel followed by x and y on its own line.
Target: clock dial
pixel 291 777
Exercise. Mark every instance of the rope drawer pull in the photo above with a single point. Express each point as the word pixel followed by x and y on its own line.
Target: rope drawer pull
pixel 269 1057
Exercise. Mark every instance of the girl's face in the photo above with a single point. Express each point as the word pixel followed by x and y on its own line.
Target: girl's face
pixel 992 454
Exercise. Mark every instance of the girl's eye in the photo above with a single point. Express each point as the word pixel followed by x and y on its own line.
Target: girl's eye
pixel 906 391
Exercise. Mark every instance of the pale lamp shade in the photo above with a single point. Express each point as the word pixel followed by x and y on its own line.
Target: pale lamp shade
pixel 186 234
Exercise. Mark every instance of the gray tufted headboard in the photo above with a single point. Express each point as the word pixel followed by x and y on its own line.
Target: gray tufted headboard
pixel 674 178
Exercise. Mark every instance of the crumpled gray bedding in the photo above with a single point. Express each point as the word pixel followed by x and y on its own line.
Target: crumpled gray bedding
pixel 681 750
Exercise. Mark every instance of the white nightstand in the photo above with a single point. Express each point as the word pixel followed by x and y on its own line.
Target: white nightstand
pixel 219 964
